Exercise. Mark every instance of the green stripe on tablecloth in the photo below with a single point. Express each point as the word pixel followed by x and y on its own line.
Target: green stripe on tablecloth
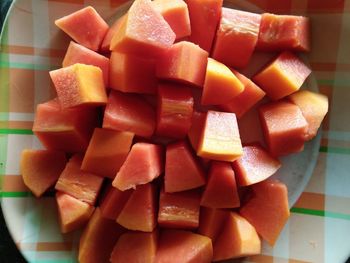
pixel 321 213
pixel 7 64
pixel 15 194
pixel 336 150
pixel 15 131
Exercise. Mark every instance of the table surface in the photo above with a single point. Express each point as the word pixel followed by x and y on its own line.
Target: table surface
pixel 322 212
pixel 8 250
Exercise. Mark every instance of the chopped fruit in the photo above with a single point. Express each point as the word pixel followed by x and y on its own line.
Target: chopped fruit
pixel 284 32
pixel 221 189
pixel 81 185
pixel 98 238
pixel 238 239
pixel 61 129
pixel 114 202
pixel 284 127
pixel 236 37
pixel 211 222
pixel 244 101
pixel 283 76
pixel 135 247
pixel 197 127
pixel 143 164
pixel 255 165
pixel 79 54
pixel 179 210
pixel 220 85
pixel 173 64
pixel 175 12
pixel 205 17
pixel 110 33
pixel 139 212
pixel 107 152
pixel 130 73
pixel 187 246
pixel 182 170
pixel 174 111
pixel 267 210
pixel 314 107
pixel 220 139
pixel 73 213
pixel 143 32
pixel 40 169
pixel 129 112
pixel 85 26
pixel 79 84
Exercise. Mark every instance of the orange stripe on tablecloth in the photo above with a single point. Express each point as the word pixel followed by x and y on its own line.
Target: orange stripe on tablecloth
pixel 24 50
pixel 338 144
pixel 270 259
pixel 330 66
pixel 16 125
pixel 46 246
pixel 311 201
pixel 13 183
pixel 321 202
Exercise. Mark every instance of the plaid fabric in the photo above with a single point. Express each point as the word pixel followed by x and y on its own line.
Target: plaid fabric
pixel 319 227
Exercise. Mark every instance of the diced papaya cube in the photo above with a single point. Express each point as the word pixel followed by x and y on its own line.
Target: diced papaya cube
pixel 98 238
pixel 284 32
pixel 197 126
pixel 81 185
pixel 314 107
pixel 79 54
pixel 236 37
pixel 182 173
pixel 143 164
pixel 79 84
pixel 220 139
pixel 187 246
pixel 144 31
pixel 283 76
pixel 67 130
pixel 238 239
pixel 211 222
pixel 267 210
pixel 129 112
pixel 85 26
pixel 40 169
pixel 255 165
pixel 244 101
pixel 175 12
pixel 107 152
pixel 113 202
pixel 73 213
pixel 135 247
pixel 173 64
pixel 130 73
pixel 110 33
pixel 221 189
pixel 205 17
pixel 284 127
pixel 220 85
pixel 139 212
pixel 250 126
pixel 179 210
pixel 174 111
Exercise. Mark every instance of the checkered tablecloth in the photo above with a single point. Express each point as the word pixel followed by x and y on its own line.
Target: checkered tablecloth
pixel 319 227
